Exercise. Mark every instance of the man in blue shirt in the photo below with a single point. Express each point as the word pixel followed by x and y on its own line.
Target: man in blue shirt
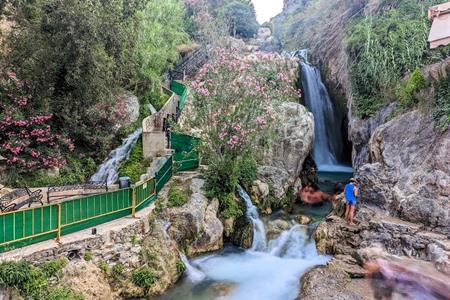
pixel 351 194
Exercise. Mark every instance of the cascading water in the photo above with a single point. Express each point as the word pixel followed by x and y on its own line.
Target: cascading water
pixel 328 144
pixel 259 233
pixel 192 273
pixel 261 273
pixel 109 171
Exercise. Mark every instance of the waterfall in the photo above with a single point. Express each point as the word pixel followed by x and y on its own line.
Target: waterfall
pixel 193 274
pixel 259 233
pixel 328 143
pixel 109 170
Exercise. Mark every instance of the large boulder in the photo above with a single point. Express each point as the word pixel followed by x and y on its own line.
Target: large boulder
pixel 195 225
pixel 283 161
pixel 409 171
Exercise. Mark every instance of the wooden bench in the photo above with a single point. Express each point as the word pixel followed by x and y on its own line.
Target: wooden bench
pixel 60 192
pixel 19 198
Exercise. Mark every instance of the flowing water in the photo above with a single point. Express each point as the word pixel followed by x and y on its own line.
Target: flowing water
pixel 109 171
pixel 269 270
pixel 328 143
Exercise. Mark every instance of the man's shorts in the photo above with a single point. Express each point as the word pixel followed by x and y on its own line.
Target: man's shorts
pixel 350 202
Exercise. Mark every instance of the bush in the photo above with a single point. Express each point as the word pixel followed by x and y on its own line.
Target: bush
pixel 87 256
pixel 143 277
pixel 229 207
pixel 240 18
pixel 117 270
pixel 180 267
pixel 441 111
pixel 176 197
pixel 52 268
pixel 15 274
pixel 63 294
pixel 248 168
pixel 407 91
pixel 136 165
pixel 103 265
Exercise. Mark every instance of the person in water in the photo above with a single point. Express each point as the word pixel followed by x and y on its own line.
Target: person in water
pixel 351 194
pixel 311 194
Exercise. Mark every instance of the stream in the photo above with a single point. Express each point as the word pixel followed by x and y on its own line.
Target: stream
pixel 269 270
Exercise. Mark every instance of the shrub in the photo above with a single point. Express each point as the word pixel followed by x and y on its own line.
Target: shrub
pixel 143 277
pixel 180 267
pixel 87 256
pixel 407 91
pixel 176 197
pixel 248 169
pixel 117 270
pixel 135 165
pixel 52 268
pixel 15 274
pixel 229 207
pixel 441 111
pixel 63 294
pixel 103 265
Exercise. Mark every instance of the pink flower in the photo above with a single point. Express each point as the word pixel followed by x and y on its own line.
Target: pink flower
pixel 260 121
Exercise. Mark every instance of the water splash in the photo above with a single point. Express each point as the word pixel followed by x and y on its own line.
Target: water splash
pixel 259 232
pixel 193 274
pixel 109 171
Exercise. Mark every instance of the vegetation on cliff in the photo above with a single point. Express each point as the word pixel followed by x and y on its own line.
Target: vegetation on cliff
pixel 67 62
pixel 371 46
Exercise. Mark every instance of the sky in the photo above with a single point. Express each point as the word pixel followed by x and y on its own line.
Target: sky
pixel 266 9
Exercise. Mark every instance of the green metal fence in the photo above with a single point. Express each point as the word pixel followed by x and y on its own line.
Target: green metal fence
pixel 164 174
pixel 181 90
pixel 29 226
pixel 186 156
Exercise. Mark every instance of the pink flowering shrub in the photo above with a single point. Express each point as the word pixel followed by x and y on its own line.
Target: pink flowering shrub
pixel 27 140
pixel 233 100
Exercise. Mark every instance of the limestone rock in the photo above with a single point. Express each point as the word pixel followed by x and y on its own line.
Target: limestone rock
pixel 259 191
pixel 196 225
pixel 284 159
pixel 276 227
pixel 326 283
pixel 409 171
pixel 86 279
pixel 131 107
pixel 303 220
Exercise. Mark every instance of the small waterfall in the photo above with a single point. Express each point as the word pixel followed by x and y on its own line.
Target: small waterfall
pixel 259 232
pixel 328 144
pixel 109 170
pixel 293 243
pixel 193 274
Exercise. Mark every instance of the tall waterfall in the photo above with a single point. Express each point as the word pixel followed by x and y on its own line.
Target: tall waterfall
pixel 328 145
pixel 259 233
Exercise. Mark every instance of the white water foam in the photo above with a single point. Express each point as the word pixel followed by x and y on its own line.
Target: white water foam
pixel 193 274
pixel 259 232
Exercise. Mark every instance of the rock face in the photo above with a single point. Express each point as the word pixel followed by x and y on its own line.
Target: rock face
pixel 293 143
pixel 409 171
pixel 131 103
pixel 195 226
pixel 86 279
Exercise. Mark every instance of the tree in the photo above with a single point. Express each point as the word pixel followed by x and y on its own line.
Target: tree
pixel 240 17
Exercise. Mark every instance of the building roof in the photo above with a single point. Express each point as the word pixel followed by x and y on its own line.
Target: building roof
pixel 440 30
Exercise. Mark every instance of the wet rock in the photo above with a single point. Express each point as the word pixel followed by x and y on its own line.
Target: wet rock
pixel 242 233
pixel 86 279
pixel 259 191
pixel 276 227
pixel 222 289
pixel 302 220
pixel 326 283
pixel 348 264
pixel 195 226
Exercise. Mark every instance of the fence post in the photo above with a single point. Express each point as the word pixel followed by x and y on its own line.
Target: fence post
pixel 133 204
pixel 58 237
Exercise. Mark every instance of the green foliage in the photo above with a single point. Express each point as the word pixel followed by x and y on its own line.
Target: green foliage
pixel 180 267
pixel 32 282
pixel 176 197
pixel 240 17
pixel 135 240
pixel 384 48
pixel 52 268
pixel 159 207
pixel 248 169
pixel 136 165
pixel 87 256
pixel 117 271
pixel 441 112
pixel 229 207
pixel 103 265
pixel 407 91
pixel 63 294
pixel 156 98
pixel 143 277
pixel 161 31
